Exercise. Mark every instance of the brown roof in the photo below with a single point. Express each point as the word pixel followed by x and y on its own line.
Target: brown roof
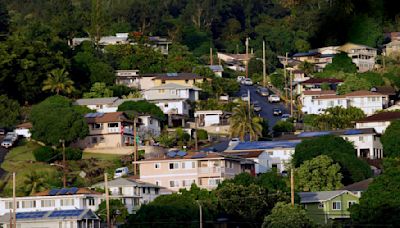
pixel 80 191
pixel 330 97
pixel 322 92
pixel 26 125
pixel 359 186
pixel 174 76
pixel 190 155
pixel 246 154
pixel 386 90
pixel 322 80
pixel 362 93
pixel 108 117
pixel 379 117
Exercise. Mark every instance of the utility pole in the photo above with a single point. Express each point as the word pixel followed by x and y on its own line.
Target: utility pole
pixel 200 214
pixel 64 164
pixel 107 200
pixel 264 66
pixel 291 93
pixel 292 186
pixel 249 106
pixel 196 142
pixel 284 73
pixel 211 56
pixel 247 57
pixel 135 152
pixel 14 215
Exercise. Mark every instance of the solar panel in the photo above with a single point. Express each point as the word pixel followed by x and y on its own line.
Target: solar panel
pixel 63 191
pixel 171 154
pixel 29 215
pixel 54 192
pixel 98 114
pixel 199 155
pixel 89 115
pixel 73 190
pixel 65 213
pixel 266 145
pixel 353 132
pixel 313 134
pixel 181 153
pixel 172 74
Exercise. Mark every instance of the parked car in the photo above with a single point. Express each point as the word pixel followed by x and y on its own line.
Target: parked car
pixel 247 81
pixel 12 135
pixel 120 172
pixel 2 131
pixel 276 112
pixel 257 107
pixel 285 116
pixel 273 98
pixel 240 78
pixel 245 97
pixel 263 92
pixel 234 141
pixel 7 143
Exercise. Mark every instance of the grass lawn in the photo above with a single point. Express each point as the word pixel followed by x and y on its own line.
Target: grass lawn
pixel 108 157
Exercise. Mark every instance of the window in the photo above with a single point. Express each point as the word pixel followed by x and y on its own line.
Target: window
pixel 186 81
pixel 166 105
pixel 151 121
pixel 113 125
pixel 156 191
pixel 144 190
pixel 94 140
pixel 320 205
pixel 351 203
pixel 162 81
pixel 361 139
pixel 101 139
pixel 67 202
pixel 337 205
pixel 174 184
pixel 90 201
pixel 97 126
pixel 158 183
pixel 47 203
pixel 9 205
pixel 188 182
pixel 188 165
pixel 148 190
pixel 161 91
pixel 174 165
pixel 157 165
pixel 213 181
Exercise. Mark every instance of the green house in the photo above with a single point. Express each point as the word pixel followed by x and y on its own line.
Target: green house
pixel 326 206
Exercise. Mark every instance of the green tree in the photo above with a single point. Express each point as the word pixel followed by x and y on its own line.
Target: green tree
pixel 34 182
pixel 283 126
pixel 318 174
pixel 9 112
pixel 380 204
pixel 341 62
pixel 307 67
pixel 54 119
pixel 142 107
pixel 4 20
pixel 340 150
pixel 272 181
pixel 366 30
pixel 284 215
pixel 58 82
pixel 98 90
pixel 244 122
pixel 353 83
pixel 391 140
pixel 337 118
pixel 277 80
pixel 118 211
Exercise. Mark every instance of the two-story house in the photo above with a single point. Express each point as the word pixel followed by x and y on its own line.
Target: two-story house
pixel 177 170
pixel 132 193
pixel 316 84
pixel 107 131
pixel 326 206
pixel 379 121
pixel 363 57
pixel 172 91
pixel 308 98
pixel 186 79
pixel 104 104
pixel 369 102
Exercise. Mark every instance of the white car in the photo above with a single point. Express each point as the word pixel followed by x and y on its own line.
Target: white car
pixel 7 143
pixel 273 98
pixel 245 97
pixel 284 117
pixel 247 81
pixel 240 78
pixel 234 141
pixel 120 172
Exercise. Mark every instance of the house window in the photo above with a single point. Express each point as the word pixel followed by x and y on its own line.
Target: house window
pixel 337 205
pixel 188 182
pixel 351 203
pixel 67 202
pixel 151 121
pixel 47 203
pixel 97 126
pixel 186 81
pixel 188 165
pixel 161 91
pixel 174 183
pixel 213 181
pixel 28 204
pixel 144 190
pixel 157 165
pixel 94 140
pixel 174 165
pixel 321 206
pixel 166 105
pixel 162 81
pixel 111 125
pixel 156 190
pixel 361 139
pixel 90 201
pixel 101 139
pixel 158 183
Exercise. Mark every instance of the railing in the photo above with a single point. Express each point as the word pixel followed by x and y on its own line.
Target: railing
pixel 114 129
pixel 210 170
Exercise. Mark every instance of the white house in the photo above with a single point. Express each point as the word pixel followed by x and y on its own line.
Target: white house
pixel 172 91
pixel 217 69
pixel 308 97
pixel 259 157
pixel 361 55
pixel 173 106
pixel 149 126
pixel 206 118
pixel 369 102
pixel 105 104
pixel 132 193
pixel 24 130
pixel 379 121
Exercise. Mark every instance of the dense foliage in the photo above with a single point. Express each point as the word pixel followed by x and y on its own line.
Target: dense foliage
pixel 391 140
pixel 285 215
pixel 9 112
pixel 142 107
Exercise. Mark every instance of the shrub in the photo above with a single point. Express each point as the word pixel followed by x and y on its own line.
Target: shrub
pixel 202 134
pixel 45 154
pixel 71 154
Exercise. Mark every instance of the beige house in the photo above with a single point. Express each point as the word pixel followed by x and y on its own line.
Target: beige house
pixel 107 131
pixel 180 170
pixel 185 79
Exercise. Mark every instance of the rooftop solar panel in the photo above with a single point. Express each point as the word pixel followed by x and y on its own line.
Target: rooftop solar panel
pixel 73 190
pixel 53 192
pixel 63 191
pixel 314 134
pixel 65 213
pixel 172 74
pixel 29 215
pixel 262 145
pixel 199 155
pixel 353 132
pixel 171 154
pixel 181 153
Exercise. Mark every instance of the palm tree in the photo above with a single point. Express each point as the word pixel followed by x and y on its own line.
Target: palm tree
pixel 242 122
pixel 58 81
pixel 34 182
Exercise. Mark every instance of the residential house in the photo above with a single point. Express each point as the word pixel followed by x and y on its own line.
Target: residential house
pixel 24 130
pixel 149 126
pixel 363 56
pixel 54 199
pixel 379 121
pixel 388 91
pixel 73 218
pixel 327 206
pixel 259 157
pixel 107 131
pixel 160 44
pixel 392 36
pixel 216 69
pixel 128 78
pixel 172 91
pixel 317 84
pixel 358 187
pixel 235 62
pixel 132 193
pixel 119 38
pixel 185 79
pixel 308 97
pixel 177 170
pixel 367 101
pixel 366 141
pixel 306 56
pixel 213 121
pixel 392 49
pixel 277 153
pixel 299 76
pixel 104 104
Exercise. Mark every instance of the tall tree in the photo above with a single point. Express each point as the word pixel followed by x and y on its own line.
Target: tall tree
pixel 391 140
pixel 9 112
pixel 284 215
pixel 244 121
pixel 34 182
pixel 58 82
pixel 98 90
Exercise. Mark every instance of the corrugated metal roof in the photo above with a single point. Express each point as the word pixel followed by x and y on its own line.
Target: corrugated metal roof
pixel 261 145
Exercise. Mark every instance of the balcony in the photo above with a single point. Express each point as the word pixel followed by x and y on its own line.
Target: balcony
pixel 215 171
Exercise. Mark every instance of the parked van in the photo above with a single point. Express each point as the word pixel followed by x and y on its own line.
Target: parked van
pixel 120 172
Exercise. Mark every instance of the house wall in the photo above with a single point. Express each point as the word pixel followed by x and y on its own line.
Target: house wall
pixel 189 82
pixel 173 106
pixel 105 108
pixel 379 127
pixel 47 224
pixel 151 126
pixel 277 157
pixel 146 83
pixel 364 142
pixel 369 104
pixel 317 106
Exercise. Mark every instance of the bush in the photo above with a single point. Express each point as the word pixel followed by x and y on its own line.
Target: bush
pixel 45 154
pixel 202 134
pixel 73 154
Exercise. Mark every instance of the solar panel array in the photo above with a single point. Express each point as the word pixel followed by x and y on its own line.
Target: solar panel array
pixel 199 155
pixel 30 215
pixel 181 153
pixel 63 191
pixel 266 145
pixel 66 213
pixel 313 134
pixel 171 154
pixel 94 114
pixel 353 132
pixel 172 74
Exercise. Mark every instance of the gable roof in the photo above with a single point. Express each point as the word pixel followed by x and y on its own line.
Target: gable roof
pixel 362 93
pixel 174 76
pixel 108 117
pixel 322 92
pixel 96 101
pixel 380 117
pixel 359 186
pixel 322 80
pixel 315 197
pixel 386 90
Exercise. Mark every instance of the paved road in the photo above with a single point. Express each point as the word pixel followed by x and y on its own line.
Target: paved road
pixel 267 107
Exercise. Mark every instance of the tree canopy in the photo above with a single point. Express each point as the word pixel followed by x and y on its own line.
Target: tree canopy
pixel 391 140
pixel 9 112
pixel 142 107
pixel 284 215
pixel 335 118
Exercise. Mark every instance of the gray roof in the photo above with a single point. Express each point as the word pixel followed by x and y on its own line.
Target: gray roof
pixel 118 102
pixel 125 182
pixel 174 86
pixel 315 197
pixel 96 101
